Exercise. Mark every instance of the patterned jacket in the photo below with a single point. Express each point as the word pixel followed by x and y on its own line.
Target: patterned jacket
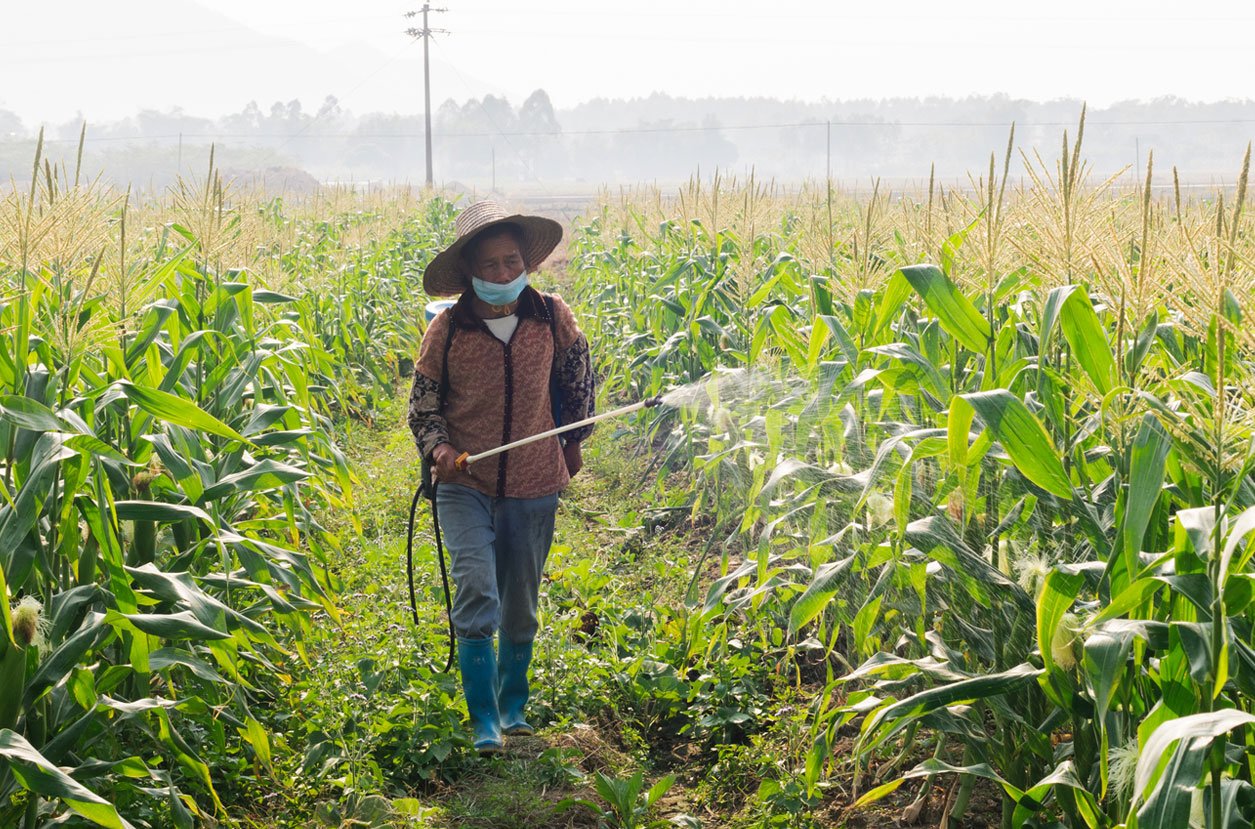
pixel 499 392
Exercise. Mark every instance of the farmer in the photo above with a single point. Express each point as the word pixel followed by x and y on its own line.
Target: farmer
pixel 497 366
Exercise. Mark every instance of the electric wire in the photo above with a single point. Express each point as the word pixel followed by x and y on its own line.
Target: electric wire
pixel 647 130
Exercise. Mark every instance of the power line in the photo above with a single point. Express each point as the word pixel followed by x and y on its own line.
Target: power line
pixel 237 28
pixel 659 129
pixel 775 13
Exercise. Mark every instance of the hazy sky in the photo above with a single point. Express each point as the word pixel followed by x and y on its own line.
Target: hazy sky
pixel 61 58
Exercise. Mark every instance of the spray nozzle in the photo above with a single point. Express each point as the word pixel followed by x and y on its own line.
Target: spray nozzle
pixel 653 401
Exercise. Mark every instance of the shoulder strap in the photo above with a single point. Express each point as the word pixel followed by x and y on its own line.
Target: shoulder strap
pixel 443 394
pixel 553 320
pixel 555 393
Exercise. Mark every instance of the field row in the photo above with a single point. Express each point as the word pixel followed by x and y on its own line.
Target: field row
pixel 994 507
pixel 173 380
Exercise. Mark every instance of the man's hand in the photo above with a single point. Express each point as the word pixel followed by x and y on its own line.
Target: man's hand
pixel 446 459
pixel 574 458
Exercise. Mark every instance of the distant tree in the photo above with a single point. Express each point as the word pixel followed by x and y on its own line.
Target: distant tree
pixel 656 138
pixel 672 149
pixel 388 147
pixel 536 114
pixel 68 130
pixel 496 114
pixel 249 120
pixel 330 110
pixel 151 122
pixel 542 147
pixel 449 110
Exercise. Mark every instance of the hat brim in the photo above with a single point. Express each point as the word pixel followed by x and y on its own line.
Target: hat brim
pixel 446 274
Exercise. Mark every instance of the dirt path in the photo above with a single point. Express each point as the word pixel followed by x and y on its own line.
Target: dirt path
pixel 419 762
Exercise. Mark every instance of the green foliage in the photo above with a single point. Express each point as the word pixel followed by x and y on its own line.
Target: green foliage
pixel 628 803
pixel 1004 503
pixel 167 439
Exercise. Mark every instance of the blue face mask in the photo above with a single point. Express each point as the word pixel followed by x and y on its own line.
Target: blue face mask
pixel 495 293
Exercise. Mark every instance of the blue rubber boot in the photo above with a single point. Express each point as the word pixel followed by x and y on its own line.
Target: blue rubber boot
pixel 512 662
pixel 477 660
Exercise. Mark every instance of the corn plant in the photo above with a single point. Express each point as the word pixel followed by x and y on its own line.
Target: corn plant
pixel 1002 495
pixel 166 424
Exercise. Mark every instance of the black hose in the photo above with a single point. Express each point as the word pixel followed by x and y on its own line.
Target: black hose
pixel 428 489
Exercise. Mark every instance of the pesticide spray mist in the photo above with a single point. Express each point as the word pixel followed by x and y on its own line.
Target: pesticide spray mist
pixel 725 387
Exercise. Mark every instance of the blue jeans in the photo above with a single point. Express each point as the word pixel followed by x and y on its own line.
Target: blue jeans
pixel 497 548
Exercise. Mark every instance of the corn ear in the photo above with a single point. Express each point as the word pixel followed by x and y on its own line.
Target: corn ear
pixel 12 683
pixel 87 561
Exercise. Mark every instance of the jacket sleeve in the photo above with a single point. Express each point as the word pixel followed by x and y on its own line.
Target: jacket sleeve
pixel 577 385
pixel 426 423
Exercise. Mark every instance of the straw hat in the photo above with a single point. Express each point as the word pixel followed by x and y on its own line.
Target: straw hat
pixel 446 274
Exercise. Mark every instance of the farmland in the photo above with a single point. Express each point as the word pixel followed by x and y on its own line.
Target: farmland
pixel 950 527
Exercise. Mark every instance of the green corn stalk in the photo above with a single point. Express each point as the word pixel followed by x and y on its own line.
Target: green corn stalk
pixel 1101 417
pixel 103 361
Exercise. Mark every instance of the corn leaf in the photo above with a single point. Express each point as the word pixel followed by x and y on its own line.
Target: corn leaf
pixel 884 789
pixel 16 558
pixel 1106 654
pixel 1154 772
pixel 267 474
pixel 958 316
pixel 270 297
pixel 158 511
pixel 1086 337
pixel 38 775
pixel 180 588
pixel 29 414
pixel 1058 593
pixel 896 292
pixel 937 538
pixel 1127 599
pixel 1147 463
pixel 1067 787
pixel 176 410
pixel 1023 438
pixel 255 735
pixel 55 667
pixel 1236 531
pixel 958 430
pixel 898 715
pixel 182 625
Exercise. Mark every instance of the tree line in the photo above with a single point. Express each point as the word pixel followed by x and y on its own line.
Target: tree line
pixel 482 142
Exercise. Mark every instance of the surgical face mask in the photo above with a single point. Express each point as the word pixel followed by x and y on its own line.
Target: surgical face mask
pixel 495 293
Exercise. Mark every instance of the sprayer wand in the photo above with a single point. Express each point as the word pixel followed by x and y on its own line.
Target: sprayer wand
pixel 466 459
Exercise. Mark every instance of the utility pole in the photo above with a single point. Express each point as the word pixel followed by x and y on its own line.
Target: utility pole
pixel 829 146
pixel 425 33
